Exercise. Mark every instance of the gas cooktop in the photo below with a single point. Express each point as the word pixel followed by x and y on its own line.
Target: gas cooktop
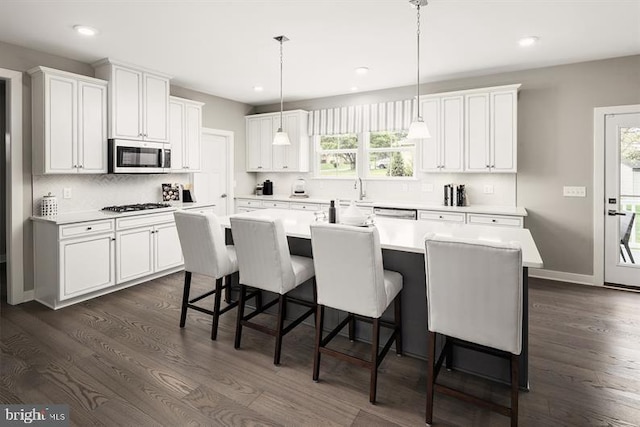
pixel 136 207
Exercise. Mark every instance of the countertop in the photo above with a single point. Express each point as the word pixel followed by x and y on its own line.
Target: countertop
pixel 408 236
pixel 95 215
pixel 479 209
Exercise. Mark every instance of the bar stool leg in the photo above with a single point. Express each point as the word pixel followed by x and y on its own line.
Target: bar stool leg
pixel 282 303
pixel 375 338
pixel 216 308
pixel 431 356
pixel 352 327
pixel 227 289
pixel 515 365
pixel 185 298
pixel 241 302
pixel 316 354
pixel 398 321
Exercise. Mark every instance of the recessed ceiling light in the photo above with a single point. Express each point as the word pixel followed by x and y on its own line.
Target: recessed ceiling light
pixel 258 88
pixel 354 88
pixel 85 31
pixel 362 70
pixel 528 41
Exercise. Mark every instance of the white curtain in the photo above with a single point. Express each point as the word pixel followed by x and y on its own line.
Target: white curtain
pixel 384 116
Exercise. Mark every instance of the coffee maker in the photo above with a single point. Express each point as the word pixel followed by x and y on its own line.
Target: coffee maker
pixel 267 188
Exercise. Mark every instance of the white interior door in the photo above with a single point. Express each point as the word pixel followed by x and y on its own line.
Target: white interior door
pixel 622 192
pixel 213 183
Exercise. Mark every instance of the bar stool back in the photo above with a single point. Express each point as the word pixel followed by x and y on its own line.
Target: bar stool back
pixel 205 252
pixel 474 295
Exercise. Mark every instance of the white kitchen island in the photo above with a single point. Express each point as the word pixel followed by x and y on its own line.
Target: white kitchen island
pixel 402 242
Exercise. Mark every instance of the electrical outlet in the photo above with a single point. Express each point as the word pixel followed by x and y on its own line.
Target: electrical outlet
pixel 66 193
pixel 488 189
pixel 574 191
pixel 427 188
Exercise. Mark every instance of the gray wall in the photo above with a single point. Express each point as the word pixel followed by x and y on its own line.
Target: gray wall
pixel 218 113
pixel 555 144
pixel 3 171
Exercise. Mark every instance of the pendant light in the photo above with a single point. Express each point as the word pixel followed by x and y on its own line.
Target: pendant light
pixel 281 137
pixel 418 128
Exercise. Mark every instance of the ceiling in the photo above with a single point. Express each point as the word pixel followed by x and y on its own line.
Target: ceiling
pixel 226 47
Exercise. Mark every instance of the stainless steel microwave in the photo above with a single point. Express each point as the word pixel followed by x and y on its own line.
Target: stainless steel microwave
pixel 127 156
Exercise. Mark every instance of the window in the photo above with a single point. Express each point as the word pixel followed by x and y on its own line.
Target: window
pixel 390 154
pixel 337 156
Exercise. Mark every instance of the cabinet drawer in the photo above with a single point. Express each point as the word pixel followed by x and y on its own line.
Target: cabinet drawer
pixel 441 216
pixel 305 206
pixel 506 221
pixel 275 205
pixel 203 209
pixel 143 220
pixel 247 203
pixel 86 228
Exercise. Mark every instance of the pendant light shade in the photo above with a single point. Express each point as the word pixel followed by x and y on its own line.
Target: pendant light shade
pixel 418 128
pixel 281 137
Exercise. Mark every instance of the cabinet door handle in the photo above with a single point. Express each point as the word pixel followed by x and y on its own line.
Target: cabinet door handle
pixel 223 196
pixel 440 217
pixel 493 220
pixel 493 166
pixel 113 239
pixel 89 228
pixel 80 166
pixel 259 167
pixel 285 167
pixel 75 166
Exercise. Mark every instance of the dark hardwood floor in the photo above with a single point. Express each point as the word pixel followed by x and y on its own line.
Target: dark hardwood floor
pixel 121 359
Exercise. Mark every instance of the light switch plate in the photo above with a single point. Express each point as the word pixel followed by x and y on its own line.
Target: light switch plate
pixel 427 188
pixel 574 191
pixel 66 193
pixel 488 189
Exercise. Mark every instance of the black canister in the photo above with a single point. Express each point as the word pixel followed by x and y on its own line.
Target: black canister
pixel 267 188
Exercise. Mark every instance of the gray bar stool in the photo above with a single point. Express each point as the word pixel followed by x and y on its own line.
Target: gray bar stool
pixel 205 252
pixel 350 277
pixel 474 298
pixel 266 264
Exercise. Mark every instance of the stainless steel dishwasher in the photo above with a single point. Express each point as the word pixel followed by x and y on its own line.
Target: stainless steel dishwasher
pixel 396 213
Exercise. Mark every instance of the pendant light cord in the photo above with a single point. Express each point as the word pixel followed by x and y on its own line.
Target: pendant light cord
pixel 418 67
pixel 281 98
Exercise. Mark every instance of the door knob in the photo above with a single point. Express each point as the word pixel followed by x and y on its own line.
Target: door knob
pixel 614 213
pixel 223 196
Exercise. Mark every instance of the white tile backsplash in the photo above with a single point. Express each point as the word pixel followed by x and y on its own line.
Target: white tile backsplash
pixel 91 192
pixel 504 187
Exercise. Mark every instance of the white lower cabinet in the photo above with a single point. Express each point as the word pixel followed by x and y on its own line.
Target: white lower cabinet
pixel 146 244
pixel 501 220
pixel 86 265
pixel 72 260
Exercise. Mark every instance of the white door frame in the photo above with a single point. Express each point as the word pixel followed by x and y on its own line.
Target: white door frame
pixel 14 188
pixel 229 136
pixel 599 208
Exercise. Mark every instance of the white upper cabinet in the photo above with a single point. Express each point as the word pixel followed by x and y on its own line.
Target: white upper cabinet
pixel 263 156
pixel 185 128
pixel 444 117
pixel 69 122
pixel 504 131
pixel 477 133
pixel 138 102
pixel 491 131
pixel 471 130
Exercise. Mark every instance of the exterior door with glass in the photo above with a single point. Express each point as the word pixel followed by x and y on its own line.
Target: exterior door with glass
pixel 622 192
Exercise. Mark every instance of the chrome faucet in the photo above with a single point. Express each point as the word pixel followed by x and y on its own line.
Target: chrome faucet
pixel 361 192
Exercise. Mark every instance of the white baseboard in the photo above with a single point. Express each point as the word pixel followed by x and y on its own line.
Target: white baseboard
pixel 561 276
